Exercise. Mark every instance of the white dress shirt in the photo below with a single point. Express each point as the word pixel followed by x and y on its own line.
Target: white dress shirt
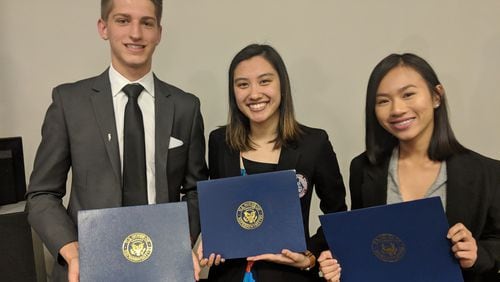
pixel 147 104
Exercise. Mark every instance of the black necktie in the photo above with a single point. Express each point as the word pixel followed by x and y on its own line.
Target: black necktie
pixel 134 152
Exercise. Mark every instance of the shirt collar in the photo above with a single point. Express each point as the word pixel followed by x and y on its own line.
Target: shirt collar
pixel 118 81
pixel 393 166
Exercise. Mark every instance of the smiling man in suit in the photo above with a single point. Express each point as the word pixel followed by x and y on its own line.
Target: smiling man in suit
pixel 88 126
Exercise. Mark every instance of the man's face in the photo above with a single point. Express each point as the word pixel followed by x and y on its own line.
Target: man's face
pixel 133 33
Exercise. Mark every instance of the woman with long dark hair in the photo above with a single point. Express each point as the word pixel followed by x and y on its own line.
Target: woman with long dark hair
pixel 412 153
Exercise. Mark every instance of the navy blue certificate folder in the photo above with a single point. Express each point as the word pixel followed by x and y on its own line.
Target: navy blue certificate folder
pixel 398 242
pixel 251 215
pixel 138 243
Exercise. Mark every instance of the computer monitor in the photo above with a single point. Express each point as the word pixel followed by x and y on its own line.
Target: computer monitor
pixel 12 177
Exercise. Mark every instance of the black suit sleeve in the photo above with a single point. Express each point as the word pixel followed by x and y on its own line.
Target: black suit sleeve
pixel 329 187
pixel 488 243
pixel 213 155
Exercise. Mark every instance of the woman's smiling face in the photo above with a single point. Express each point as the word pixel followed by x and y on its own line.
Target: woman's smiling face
pixel 405 105
pixel 257 90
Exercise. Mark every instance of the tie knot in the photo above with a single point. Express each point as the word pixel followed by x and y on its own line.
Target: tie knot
pixel 133 90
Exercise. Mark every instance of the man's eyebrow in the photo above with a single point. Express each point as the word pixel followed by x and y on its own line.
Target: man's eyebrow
pixel 128 16
pixel 121 15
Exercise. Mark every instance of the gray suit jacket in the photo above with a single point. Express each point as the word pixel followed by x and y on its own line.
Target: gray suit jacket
pixel 75 134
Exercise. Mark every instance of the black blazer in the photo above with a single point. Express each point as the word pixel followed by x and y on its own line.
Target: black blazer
pixel 473 198
pixel 312 156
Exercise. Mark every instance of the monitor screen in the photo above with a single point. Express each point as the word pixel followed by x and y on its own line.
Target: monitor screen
pixel 12 177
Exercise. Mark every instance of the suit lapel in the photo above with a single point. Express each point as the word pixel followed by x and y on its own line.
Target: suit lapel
pixel 102 102
pixel 164 118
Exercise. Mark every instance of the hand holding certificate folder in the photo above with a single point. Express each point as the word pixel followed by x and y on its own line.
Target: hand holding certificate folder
pixel 251 215
pixel 138 243
pixel 397 242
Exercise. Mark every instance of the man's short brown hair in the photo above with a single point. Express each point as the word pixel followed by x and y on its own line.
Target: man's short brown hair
pixel 107 5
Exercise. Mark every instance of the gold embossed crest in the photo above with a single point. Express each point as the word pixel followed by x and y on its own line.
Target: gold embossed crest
pixel 137 247
pixel 388 247
pixel 250 215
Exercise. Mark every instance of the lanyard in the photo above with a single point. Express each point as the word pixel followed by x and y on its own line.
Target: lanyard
pixel 248 277
pixel 243 171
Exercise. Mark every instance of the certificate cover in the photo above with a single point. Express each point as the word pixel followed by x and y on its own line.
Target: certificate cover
pixel 251 215
pixel 398 242
pixel 138 243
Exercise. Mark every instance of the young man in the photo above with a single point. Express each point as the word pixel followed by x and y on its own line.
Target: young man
pixel 85 129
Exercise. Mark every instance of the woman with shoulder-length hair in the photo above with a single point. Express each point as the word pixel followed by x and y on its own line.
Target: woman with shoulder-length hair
pixel 412 153
pixel 262 135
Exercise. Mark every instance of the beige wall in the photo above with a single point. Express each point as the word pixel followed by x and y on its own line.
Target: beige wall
pixel 329 46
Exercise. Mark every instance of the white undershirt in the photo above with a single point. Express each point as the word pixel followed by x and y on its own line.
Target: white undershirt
pixel 147 104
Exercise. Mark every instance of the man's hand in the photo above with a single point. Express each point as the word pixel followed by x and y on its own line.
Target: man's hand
pixel 212 259
pixel 197 267
pixel 70 254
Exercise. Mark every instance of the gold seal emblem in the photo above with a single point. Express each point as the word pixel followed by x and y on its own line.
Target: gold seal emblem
pixel 250 215
pixel 137 247
pixel 388 247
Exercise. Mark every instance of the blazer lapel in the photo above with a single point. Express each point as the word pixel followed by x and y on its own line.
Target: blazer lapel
pixel 102 102
pixel 374 189
pixel 288 157
pixel 231 162
pixel 164 118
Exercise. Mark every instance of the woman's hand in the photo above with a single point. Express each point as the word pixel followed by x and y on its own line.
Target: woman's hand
pixel 464 245
pixel 286 257
pixel 213 259
pixel 329 267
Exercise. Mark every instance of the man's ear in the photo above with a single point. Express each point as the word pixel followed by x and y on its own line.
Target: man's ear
pixel 102 28
pixel 160 30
